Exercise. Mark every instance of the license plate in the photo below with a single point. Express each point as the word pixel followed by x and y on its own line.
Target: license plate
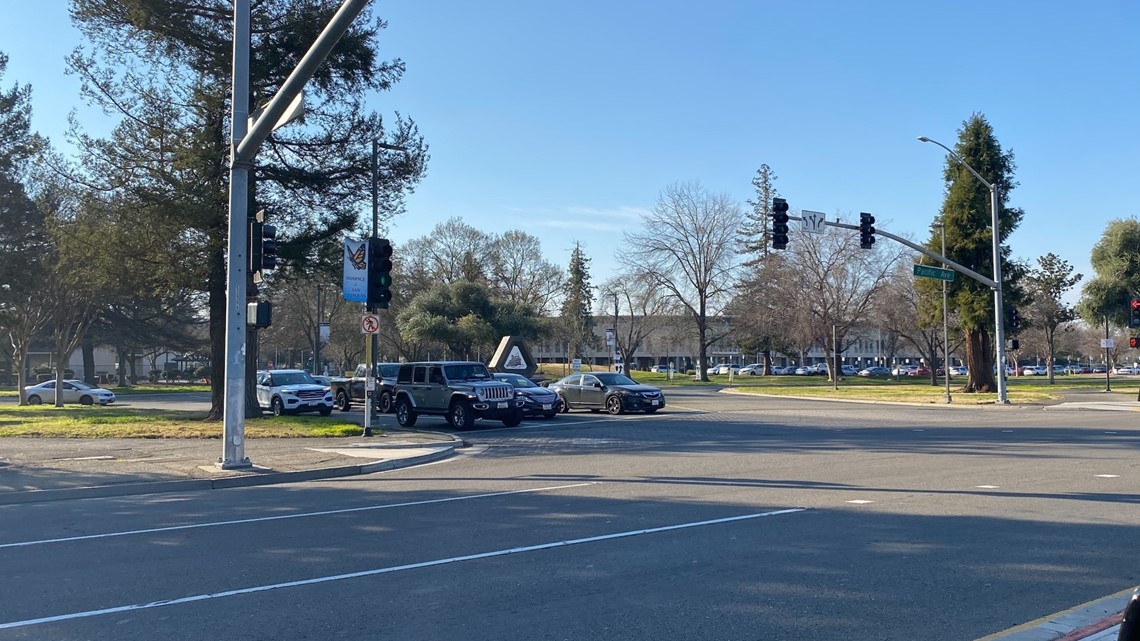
pixel 546 406
pixel 502 405
pixel 653 402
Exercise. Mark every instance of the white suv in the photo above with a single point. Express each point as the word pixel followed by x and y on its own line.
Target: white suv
pixel 288 391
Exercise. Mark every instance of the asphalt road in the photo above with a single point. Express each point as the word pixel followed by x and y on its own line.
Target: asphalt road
pixel 722 517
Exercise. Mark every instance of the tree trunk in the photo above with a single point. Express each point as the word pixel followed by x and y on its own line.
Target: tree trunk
pixel 89 360
pixel 20 362
pixel 767 362
pixel 980 361
pixel 121 370
pixel 702 358
pixel 217 289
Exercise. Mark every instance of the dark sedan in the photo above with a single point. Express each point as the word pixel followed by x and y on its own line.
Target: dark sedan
pixel 537 401
pixel 614 393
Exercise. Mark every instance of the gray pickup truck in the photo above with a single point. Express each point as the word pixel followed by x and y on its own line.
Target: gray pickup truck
pixel 460 391
pixel 347 391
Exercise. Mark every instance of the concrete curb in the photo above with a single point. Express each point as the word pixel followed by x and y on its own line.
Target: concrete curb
pixel 245 480
pixel 1076 623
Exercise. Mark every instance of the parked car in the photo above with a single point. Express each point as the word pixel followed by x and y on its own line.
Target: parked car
pixel 661 369
pixel 903 370
pixel 1099 369
pixel 918 371
pixel 959 370
pixel 1078 369
pixel 1127 369
pixel 74 391
pixel 614 393
pixel 459 391
pixel 724 368
pixel 755 369
pixel 1060 370
pixel 848 370
pixel 874 371
pixel 537 400
pixel 289 391
pixel 1034 370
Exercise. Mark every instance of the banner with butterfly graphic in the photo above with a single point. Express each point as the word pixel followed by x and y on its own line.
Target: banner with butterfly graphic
pixel 356 270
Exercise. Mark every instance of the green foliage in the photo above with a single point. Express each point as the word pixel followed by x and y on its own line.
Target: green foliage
pixel 577 315
pixel 1116 261
pixel 966 212
pixel 464 317
pixel 754 232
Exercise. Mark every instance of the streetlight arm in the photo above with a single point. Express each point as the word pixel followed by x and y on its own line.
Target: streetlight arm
pixel 959 159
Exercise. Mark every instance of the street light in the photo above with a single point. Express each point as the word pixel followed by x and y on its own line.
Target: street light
pixel 999 334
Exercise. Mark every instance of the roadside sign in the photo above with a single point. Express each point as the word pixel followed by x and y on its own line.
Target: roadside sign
pixel 812 221
pixel 369 324
pixel 1107 343
pixel 611 336
pixel 576 365
pixel 925 271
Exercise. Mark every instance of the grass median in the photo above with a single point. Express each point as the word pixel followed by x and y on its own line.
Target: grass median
pixel 73 421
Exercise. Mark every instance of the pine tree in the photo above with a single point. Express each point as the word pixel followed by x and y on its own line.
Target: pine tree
pixel 577 312
pixel 755 232
pixel 969 241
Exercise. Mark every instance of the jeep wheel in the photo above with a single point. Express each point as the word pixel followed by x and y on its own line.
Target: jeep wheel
pixel 614 406
pixel 277 406
pixel 343 402
pixel 461 416
pixel 514 419
pixel 405 415
pixel 384 405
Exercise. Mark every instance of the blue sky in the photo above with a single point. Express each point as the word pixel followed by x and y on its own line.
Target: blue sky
pixel 567 119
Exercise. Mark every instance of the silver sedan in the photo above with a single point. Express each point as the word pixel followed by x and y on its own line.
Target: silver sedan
pixel 74 391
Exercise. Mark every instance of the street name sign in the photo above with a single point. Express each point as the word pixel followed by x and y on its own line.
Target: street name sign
pixel 933 272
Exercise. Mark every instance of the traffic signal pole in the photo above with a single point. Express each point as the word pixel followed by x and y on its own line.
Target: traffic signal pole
pixel 243 147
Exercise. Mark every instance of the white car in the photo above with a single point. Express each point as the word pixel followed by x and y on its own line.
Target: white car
pixel 661 369
pixel 289 391
pixel 725 368
pixel 755 369
pixel 74 391
pixel 1127 369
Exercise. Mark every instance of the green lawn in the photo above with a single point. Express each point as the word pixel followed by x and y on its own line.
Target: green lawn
pixel 77 421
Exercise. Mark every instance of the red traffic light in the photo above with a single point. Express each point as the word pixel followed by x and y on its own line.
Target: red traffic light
pixel 1136 303
pixel 1134 342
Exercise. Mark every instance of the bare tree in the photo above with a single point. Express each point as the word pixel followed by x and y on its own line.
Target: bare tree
pixel 689 250
pixel 838 283
pixel 640 308
pixel 520 274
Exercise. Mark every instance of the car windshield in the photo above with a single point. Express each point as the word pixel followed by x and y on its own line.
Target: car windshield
pixel 615 379
pixel 466 371
pixel 291 378
pixel 516 380
pixel 82 385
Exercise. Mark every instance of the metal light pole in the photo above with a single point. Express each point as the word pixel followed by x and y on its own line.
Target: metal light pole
pixel 999 315
pixel 945 322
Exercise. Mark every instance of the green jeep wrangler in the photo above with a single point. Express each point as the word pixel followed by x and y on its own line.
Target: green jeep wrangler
pixel 460 391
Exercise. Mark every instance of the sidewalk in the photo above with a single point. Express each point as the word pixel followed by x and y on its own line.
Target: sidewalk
pixel 33 469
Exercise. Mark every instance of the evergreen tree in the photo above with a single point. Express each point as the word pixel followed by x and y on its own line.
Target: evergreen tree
pixel 969 241
pixel 1045 287
pixel 165 68
pixel 577 314
pixel 1116 260
pixel 755 231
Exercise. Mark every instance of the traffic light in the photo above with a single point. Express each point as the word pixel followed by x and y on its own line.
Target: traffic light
pixel 1015 318
pixel 379 273
pixel 259 314
pixel 1014 344
pixel 866 231
pixel 779 223
pixel 262 246
pixel 1134 313
pixel 1134 342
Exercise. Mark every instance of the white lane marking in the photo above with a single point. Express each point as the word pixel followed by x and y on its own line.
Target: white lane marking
pixel 1110 432
pixel 387 570
pixel 987 487
pixel 281 517
pixel 1007 431
pixel 918 430
pixel 860 501
pixel 1107 476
